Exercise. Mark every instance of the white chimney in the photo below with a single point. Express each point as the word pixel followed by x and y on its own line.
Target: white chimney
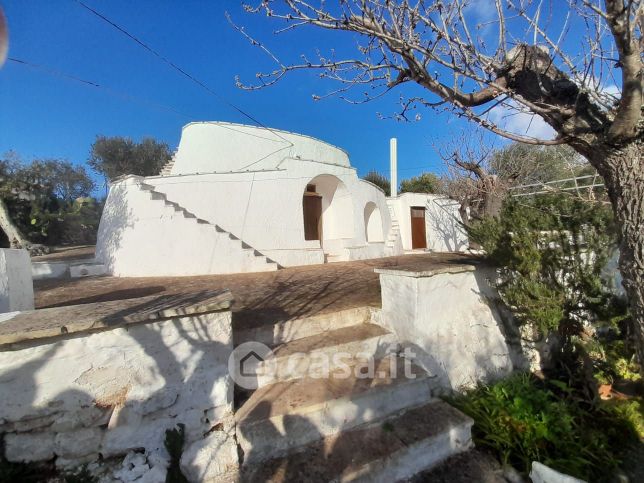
pixel 393 166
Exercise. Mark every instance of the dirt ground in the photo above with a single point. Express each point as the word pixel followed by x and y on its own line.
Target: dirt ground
pixel 259 297
pixel 471 466
pixel 59 254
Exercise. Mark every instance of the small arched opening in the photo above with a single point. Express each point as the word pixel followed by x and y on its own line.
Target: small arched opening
pixel 373 223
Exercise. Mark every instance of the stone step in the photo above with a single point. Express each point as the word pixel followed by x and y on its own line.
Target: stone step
pixel 289 414
pixel 388 450
pixel 283 331
pixel 293 359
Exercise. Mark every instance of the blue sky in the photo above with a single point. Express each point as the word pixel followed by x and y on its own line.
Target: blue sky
pixel 48 116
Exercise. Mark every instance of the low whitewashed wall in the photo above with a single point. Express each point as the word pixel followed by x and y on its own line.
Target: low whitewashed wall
pixel 107 393
pixel 445 318
pixel 16 285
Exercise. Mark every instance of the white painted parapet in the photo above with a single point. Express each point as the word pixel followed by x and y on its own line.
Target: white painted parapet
pixel 93 381
pixel 16 285
pixel 443 315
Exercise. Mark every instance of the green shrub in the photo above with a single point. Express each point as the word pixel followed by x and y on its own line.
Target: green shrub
pixel 551 251
pixel 523 419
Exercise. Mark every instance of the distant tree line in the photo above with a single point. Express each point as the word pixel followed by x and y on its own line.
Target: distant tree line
pixel 423 183
pixel 479 177
pixel 48 202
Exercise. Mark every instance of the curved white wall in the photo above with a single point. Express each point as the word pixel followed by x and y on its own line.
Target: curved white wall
pixel 208 147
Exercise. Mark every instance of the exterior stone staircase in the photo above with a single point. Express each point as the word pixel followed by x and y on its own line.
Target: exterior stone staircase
pixel 368 415
pixel 167 167
pixel 394 233
pixel 229 245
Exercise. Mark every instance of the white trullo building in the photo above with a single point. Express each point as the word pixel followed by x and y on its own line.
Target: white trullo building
pixel 239 198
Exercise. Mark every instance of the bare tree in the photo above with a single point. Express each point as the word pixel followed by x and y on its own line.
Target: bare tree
pixel 520 59
pixel 480 176
pixel 469 179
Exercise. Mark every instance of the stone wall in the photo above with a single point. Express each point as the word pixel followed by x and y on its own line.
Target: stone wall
pixel 90 395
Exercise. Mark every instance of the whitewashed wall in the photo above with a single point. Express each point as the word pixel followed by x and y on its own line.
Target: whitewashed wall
pixel 442 221
pixel 16 284
pixel 448 321
pixel 261 207
pixel 110 392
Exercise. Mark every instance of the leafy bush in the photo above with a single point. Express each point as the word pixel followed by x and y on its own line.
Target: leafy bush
pixel 424 183
pixel 552 250
pixel 48 200
pixel 523 419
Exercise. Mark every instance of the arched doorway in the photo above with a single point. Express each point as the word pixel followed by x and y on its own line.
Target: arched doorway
pixel 328 211
pixel 372 223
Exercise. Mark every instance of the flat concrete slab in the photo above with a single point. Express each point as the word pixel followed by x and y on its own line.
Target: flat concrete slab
pixel 56 321
pixel 260 298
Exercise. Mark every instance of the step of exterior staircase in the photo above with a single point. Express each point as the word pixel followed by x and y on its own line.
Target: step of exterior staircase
pixel 283 331
pixel 352 410
pixel 387 450
pixel 294 359
pixel 287 415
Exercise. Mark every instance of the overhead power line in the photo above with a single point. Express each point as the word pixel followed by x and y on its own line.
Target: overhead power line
pixel 177 68
pixel 58 73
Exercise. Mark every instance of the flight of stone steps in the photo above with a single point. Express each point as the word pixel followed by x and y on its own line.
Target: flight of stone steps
pixel 167 167
pixel 394 232
pixel 348 409
pixel 251 259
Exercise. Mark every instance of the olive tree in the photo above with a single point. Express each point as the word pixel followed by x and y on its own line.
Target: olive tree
pixel 575 63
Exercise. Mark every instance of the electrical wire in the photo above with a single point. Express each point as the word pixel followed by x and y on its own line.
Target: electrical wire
pixel 178 69
pixel 58 73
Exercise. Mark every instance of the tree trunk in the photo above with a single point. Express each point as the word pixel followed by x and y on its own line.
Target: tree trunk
pixel 623 171
pixel 15 236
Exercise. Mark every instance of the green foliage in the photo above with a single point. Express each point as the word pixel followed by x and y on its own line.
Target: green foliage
pixel 425 183
pixel 552 250
pixel 42 199
pixel 77 224
pixel 523 419
pixel 630 410
pixel 116 156
pixel 174 440
pixel 379 180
